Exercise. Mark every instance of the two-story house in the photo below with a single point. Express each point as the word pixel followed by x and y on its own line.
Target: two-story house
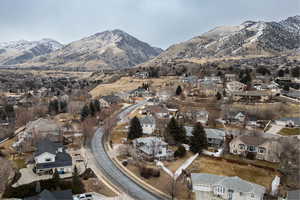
pixel 256 147
pixel 214 187
pixel 50 156
pixel 150 148
pixel 148 124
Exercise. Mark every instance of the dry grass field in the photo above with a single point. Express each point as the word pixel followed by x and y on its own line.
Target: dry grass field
pixel 126 84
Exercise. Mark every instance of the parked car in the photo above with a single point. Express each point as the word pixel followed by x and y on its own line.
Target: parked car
pixel 84 197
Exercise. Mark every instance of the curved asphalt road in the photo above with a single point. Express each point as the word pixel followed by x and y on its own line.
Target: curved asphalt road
pixel 113 173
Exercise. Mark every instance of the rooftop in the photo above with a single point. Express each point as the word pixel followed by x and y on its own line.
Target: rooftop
pixel 235 183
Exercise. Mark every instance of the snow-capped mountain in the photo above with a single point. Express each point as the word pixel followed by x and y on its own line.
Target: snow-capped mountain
pixel 108 49
pixel 17 52
pixel 249 38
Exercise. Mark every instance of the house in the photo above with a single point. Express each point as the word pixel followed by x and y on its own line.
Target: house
pixel 209 88
pixel 140 92
pixel 215 79
pixel 142 75
pixel 35 131
pixel 197 116
pixel 165 94
pixel 256 147
pixel 159 111
pixel 215 187
pixel 293 195
pixel 148 124
pixel 215 137
pixel 289 121
pixel 235 86
pixel 230 77
pixel 235 117
pixel 50 156
pixel 251 96
pixel 150 148
pixel 110 99
pixel 192 80
pixel 56 195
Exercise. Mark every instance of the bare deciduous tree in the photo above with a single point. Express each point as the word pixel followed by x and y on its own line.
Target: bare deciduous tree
pixel 88 128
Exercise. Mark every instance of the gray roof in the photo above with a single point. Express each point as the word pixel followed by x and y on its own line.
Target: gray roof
pixel 293 195
pixel 62 159
pixel 210 132
pixel 147 120
pixel 112 99
pixel 43 126
pixel 46 145
pixel 57 195
pixel 296 120
pixel 234 183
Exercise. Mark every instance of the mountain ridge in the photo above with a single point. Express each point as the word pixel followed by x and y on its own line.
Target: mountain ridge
pixel 248 38
pixel 104 50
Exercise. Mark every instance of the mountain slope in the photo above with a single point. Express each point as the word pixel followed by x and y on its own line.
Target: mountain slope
pixel 18 52
pixel 249 38
pixel 108 49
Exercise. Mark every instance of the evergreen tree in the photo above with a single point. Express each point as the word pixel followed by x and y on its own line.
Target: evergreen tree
pixel 295 72
pixel 135 129
pixel 176 131
pixel 63 107
pixel 55 178
pixel 218 96
pixel 77 186
pixel 180 152
pixel 85 112
pixel 198 140
pixel 97 105
pixel 281 73
pixel 92 109
pixel 245 77
pixel 178 90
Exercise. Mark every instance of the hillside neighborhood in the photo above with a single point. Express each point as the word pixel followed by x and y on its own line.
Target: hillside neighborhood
pixel 212 118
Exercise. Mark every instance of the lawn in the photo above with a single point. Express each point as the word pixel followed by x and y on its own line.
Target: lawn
pixel 205 164
pixel 126 84
pixel 118 134
pixel 20 163
pixel 289 131
pixel 254 162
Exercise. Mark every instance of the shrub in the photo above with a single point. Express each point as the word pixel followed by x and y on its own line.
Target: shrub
pixel 180 152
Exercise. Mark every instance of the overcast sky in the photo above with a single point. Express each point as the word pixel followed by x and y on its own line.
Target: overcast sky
pixel 158 22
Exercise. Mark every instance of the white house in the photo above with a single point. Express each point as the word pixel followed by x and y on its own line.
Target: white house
pixel 152 148
pixel 235 86
pixel 214 187
pixel 50 156
pixel 148 124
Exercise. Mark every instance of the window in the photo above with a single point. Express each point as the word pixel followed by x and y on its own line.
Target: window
pixel 251 148
pixel 48 159
pixel 261 150
pixel 242 146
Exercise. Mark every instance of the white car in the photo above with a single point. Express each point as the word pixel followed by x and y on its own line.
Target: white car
pixel 83 197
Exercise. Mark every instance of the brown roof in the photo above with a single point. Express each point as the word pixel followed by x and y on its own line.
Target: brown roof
pixel 252 140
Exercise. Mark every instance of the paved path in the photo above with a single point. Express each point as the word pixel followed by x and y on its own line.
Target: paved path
pixel 109 169
pixel 274 129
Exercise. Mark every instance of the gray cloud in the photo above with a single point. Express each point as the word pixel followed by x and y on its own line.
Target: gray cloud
pixel 158 22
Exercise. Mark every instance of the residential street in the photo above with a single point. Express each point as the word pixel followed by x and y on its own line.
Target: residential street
pixel 113 173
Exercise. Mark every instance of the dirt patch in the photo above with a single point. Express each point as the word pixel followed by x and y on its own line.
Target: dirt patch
pixel 164 183
pixel 95 185
pixel 126 84
pixel 289 131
